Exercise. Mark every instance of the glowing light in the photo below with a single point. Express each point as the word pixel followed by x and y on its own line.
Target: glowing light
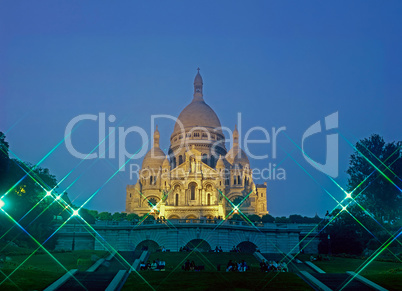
pixel 343 208
pixel 1 203
pixel 349 195
pixel 75 212
pixel 58 197
pixel 48 193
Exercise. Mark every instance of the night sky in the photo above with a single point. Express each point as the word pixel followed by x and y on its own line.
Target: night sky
pixel 283 63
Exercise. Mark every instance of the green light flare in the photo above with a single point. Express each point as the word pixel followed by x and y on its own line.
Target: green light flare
pixel 40 246
pixel 382 248
pixel 37 164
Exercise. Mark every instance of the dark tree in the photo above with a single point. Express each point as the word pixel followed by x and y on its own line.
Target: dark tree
pixel 375 171
pixel 254 218
pixel 4 161
pixel 105 216
pixel 268 218
pixel 132 217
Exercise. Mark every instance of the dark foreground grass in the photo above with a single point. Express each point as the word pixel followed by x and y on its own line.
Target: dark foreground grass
pixel 386 274
pixel 214 281
pixel 388 281
pixel 341 265
pixel 40 270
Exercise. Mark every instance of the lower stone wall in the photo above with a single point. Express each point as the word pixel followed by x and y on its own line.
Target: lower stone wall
pixel 268 238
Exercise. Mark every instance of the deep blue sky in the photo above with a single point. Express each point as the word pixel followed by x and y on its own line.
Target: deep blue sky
pixel 283 63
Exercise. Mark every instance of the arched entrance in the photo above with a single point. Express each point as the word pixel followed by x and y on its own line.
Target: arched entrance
pixel 191 216
pixel 247 247
pixel 147 244
pixel 199 244
pixel 174 216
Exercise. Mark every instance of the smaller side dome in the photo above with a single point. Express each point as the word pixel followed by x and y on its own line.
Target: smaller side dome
pixel 220 164
pixel 166 163
pixel 236 156
pixel 155 156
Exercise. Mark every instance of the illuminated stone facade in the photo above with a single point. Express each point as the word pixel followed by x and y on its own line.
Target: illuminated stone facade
pixel 198 177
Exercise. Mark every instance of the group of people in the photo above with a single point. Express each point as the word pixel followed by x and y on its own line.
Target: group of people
pixel 191 266
pixel 319 258
pixel 235 249
pixel 218 249
pixel 273 266
pixel 237 266
pixel 156 265
pixel 184 249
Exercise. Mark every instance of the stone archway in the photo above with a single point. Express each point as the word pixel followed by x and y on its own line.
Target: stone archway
pixel 199 244
pixel 247 247
pixel 173 216
pixel 147 244
pixel 191 216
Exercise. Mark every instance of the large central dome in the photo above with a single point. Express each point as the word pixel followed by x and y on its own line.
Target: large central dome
pixel 197 113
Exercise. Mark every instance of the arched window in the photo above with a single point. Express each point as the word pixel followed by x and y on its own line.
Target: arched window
pixel 176 201
pixel 237 200
pixel 209 199
pixel 152 202
pixel 234 180
pixel 238 180
pixel 192 191
pixel 150 180
pixel 180 159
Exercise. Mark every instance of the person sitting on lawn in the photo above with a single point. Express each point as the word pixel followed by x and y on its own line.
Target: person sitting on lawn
pixel 275 266
pixel 271 266
pixel 263 266
pixel 239 267
pixel 192 266
pixel 229 266
pixel 244 266
pixel 284 267
pixel 143 266
pixel 187 265
pixel 161 265
pixel 153 266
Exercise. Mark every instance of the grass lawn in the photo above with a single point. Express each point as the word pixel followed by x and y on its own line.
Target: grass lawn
pixel 386 274
pixel 180 280
pixel 341 265
pixel 209 260
pixel 40 270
